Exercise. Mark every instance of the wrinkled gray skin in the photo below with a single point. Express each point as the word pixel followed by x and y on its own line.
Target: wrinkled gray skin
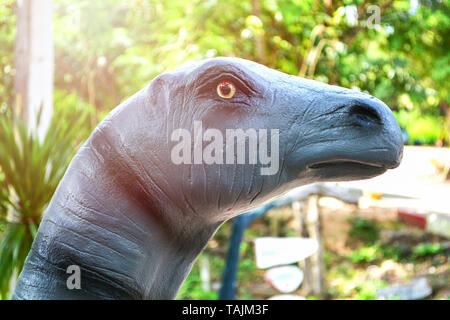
pixel 135 222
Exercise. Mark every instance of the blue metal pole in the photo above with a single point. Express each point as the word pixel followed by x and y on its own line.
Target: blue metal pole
pixel 228 288
pixel 239 224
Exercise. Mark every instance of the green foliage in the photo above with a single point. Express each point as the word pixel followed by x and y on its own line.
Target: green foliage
pixel 192 289
pixel 3 199
pixel 395 252
pixel 426 249
pixel 7 36
pixel 365 254
pixel 376 253
pixel 31 171
pixel 426 129
pixel 107 50
pixel 14 247
pixel 74 107
pixel 368 289
pixel 364 230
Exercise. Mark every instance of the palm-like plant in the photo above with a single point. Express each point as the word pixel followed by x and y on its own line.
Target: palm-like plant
pixel 31 171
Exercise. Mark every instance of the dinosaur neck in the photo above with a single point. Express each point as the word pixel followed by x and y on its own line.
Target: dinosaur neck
pixel 127 243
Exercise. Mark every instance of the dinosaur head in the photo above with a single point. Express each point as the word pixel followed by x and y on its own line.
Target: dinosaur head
pixel 228 134
pixel 196 147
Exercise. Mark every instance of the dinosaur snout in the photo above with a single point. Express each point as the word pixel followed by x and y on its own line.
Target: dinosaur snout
pixel 355 137
pixel 376 120
pixel 365 115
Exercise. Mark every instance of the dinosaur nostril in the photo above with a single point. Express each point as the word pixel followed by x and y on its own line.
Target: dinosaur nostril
pixel 365 114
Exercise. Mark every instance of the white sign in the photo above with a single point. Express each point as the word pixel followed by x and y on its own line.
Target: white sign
pixel 272 251
pixel 284 279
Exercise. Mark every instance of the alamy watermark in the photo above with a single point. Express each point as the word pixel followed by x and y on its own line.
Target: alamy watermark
pixel 231 149
pixel 351 15
pixel 74 280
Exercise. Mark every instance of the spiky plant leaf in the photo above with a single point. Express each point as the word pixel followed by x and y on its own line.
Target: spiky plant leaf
pixel 30 172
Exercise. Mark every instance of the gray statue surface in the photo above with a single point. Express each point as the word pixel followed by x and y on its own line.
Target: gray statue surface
pixel 134 220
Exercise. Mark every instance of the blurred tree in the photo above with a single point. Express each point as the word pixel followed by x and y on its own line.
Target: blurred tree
pixel 396 50
pixel 7 36
pixel 33 62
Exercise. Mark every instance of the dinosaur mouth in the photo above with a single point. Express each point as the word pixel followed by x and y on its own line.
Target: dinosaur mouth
pixel 344 170
pixel 330 164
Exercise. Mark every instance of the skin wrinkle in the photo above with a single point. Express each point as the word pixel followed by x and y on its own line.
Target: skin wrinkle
pixel 44 266
pixel 333 112
pixel 291 126
pixel 122 183
pixel 183 193
pixel 53 275
pixel 92 222
pixel 240 191
pixel 154 163
pixel 296 138
pixel 191 182
pixel 77 202
pixel 82 252
pixel 321 142
pixel 171 114
pixel 260 190
pixel 94 198
pixel 94 152
pixel 91 209
pixel 282 169
pixel 250 186
pixel 86 237
pixel 161 92
pixel 194 212
pixel 273 98
pixel 151 182
pixel 96 268
pixel 220 194
pixel 309 108
pixel 43 258
pixel 321 130
pixel 205 183
pixel 91 267
pixel 157 267
pixel 235 167
pixel 126 216
pixel 141 188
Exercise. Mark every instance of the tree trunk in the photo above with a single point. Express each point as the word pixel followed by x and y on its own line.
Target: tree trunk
pixel 309 226
pixel 260 42
pixel 314 227
pixel 33 82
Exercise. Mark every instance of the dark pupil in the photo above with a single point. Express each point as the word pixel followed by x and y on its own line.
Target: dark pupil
pixel 225 89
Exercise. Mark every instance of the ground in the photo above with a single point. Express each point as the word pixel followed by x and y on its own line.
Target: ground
pixel 365 249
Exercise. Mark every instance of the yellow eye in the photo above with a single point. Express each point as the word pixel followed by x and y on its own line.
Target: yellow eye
pixel 226 90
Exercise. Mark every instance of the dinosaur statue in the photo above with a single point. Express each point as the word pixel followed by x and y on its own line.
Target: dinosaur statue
pixel 133 220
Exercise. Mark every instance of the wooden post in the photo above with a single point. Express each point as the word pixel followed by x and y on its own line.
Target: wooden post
pixel 298 208
pixel 313 225
pixel 309 226
pixel 33 82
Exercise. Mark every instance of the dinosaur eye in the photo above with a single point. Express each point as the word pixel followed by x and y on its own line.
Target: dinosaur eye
pixel 226 90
